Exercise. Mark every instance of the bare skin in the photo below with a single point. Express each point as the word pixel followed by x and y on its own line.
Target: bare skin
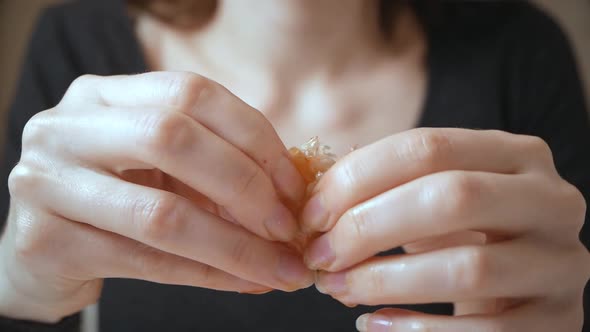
pixel 313 73
pixel 322 69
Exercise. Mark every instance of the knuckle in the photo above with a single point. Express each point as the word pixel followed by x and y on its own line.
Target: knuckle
pixel 469 271
pixel 185 88
pixel 159 219
pixel 24 179
pixel 576 203
pixel 168 133
pixel 456 193
pixel 536 146
pixel 80 85
pixel 36 129
pixel 429 146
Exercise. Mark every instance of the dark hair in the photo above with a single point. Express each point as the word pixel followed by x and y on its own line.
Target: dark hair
pixel 185 14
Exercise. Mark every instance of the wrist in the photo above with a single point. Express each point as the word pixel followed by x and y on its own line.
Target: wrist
pixel 14 303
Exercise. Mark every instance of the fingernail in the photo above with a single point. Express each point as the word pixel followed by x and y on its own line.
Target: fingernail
pixel 334 284
pixel 314 214
pixel 293 273
pixel 281 225
pixel 373 323
pixel 320 255
pixel 350 304
pixel 259 292
pixel 288 180
pixel 361 322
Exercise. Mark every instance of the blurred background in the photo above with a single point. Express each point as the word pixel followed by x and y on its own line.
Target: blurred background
pixel 18 16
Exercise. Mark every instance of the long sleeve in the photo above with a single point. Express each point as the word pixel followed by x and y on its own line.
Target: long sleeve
pixel 47 70
pixel 69 40
pixel 547 100
pixel 37 91
pixel 68 324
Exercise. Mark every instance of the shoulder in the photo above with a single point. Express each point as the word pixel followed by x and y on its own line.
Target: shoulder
pixel 490 16
pixel 519 24
pixel 91 37
pixel 70 40
pixel 86 13
pixel 75 19
pixel 507 61
pixel 504 38
pixel 523 55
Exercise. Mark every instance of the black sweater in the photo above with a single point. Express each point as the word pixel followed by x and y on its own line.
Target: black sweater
pixel 500 66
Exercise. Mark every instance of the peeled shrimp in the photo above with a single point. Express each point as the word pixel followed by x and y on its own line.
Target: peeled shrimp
pixel 312 160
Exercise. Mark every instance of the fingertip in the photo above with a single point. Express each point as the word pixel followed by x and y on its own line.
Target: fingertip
pixel 257 291
pixel 350 305
pixel 289 183
pixel 334 284
pixel 292 273
pixel 315 214
pixel 319 255
pixel 377 323
pixel 362 322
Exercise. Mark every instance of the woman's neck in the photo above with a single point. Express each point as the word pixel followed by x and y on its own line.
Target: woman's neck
pixel 293 38
pixel 267 51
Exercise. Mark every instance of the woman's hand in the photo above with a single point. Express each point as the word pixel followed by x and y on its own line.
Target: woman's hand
pixel 486 219
pixel 165 177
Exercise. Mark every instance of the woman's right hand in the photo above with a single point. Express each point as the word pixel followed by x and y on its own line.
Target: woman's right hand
pixel 166 177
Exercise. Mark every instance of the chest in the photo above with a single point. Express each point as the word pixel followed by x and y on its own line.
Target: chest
pixel 358 107
pixel 352 115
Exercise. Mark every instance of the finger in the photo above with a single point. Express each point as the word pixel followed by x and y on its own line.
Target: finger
pixel 532 316
pixel 208 103
pixel 121 139
pixel 400 158
pixel 436 205
pixel 514 269
pixel 393 320
pixel 463 238
pixel 78 251
pixel 169 223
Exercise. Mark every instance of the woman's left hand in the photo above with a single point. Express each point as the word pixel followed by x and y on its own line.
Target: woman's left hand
pixel 485 219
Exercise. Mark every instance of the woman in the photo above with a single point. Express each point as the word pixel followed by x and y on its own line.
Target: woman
pixel 181 175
